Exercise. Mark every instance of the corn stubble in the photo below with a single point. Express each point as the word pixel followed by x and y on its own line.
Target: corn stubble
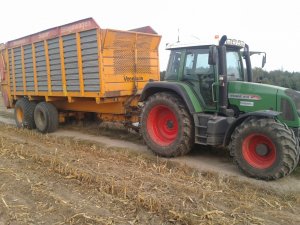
pixel 117 186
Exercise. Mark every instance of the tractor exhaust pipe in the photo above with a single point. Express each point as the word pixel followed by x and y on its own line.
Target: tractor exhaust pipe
pixel 248 63
pixel 223 76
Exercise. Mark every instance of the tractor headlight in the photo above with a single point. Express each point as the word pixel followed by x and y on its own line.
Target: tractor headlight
pixel 234 42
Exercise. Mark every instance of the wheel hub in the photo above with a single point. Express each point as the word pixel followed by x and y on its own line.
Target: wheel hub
pixel 262 149
pixel 170 124
pixel 162 125
pixel 259 151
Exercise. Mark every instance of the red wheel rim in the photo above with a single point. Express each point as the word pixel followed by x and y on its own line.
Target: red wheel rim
pixel 259 151
pixel 162 125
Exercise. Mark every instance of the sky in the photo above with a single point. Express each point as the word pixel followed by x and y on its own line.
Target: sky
pixel 269 26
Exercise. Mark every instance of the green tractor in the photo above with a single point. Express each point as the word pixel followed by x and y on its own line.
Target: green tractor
pixel 208 98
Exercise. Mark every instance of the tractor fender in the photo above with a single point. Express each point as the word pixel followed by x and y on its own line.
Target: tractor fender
pixel 152 88
pixel 242 118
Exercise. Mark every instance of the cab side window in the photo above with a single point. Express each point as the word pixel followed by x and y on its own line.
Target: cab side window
pixel 189 64
pixel 200 73
pixel 202 66
pixel 174 65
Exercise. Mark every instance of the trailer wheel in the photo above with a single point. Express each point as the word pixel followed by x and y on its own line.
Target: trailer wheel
pixel 24 113
pixel 46 117
pixel 166 125
pixel 264 149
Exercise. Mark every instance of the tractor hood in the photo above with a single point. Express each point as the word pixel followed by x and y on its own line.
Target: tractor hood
pixel 295 97
pixel 250 97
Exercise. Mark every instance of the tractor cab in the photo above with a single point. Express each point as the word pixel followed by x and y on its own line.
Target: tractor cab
pixel 207 68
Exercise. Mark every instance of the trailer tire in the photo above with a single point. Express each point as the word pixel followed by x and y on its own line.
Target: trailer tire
pixel 24 113
pixel 166 125
pixel 46 117
pixel 264 148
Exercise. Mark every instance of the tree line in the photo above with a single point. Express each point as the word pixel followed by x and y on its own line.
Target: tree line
pixel 275 77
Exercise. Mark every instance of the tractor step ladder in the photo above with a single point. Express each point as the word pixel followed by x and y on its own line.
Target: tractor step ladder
pixel 201 121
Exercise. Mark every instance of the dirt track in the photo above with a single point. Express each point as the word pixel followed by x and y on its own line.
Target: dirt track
pixel 211 160
pixel 93 179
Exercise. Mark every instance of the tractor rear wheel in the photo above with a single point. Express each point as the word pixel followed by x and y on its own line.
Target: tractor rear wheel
pixel 166 125
pixel 46 117
pixel 23 113
pixel 264 148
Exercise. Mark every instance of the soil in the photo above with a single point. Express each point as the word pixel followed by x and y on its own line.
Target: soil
pixel 79 176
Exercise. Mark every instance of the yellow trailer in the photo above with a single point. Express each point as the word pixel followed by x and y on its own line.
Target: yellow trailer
pixel 77 67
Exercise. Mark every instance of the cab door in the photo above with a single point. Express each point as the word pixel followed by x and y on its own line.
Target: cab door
pixel 201 77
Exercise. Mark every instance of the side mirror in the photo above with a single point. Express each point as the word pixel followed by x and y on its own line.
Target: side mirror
pixel 264 58
pixel 213 55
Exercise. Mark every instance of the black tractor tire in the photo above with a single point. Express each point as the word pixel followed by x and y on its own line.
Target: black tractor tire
pixel 24 113
pixel 264 148
pixel 46 117
pixel 166 125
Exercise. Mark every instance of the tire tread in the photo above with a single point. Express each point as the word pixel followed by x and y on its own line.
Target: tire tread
pixel 28 108
pixel 282 133
pixel 51 117
pixel 187 141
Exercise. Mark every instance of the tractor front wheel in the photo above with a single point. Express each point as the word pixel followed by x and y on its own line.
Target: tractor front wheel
pixel 264 148
pixel 166 125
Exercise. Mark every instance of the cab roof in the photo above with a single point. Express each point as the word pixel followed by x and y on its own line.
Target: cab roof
pixel 233 43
